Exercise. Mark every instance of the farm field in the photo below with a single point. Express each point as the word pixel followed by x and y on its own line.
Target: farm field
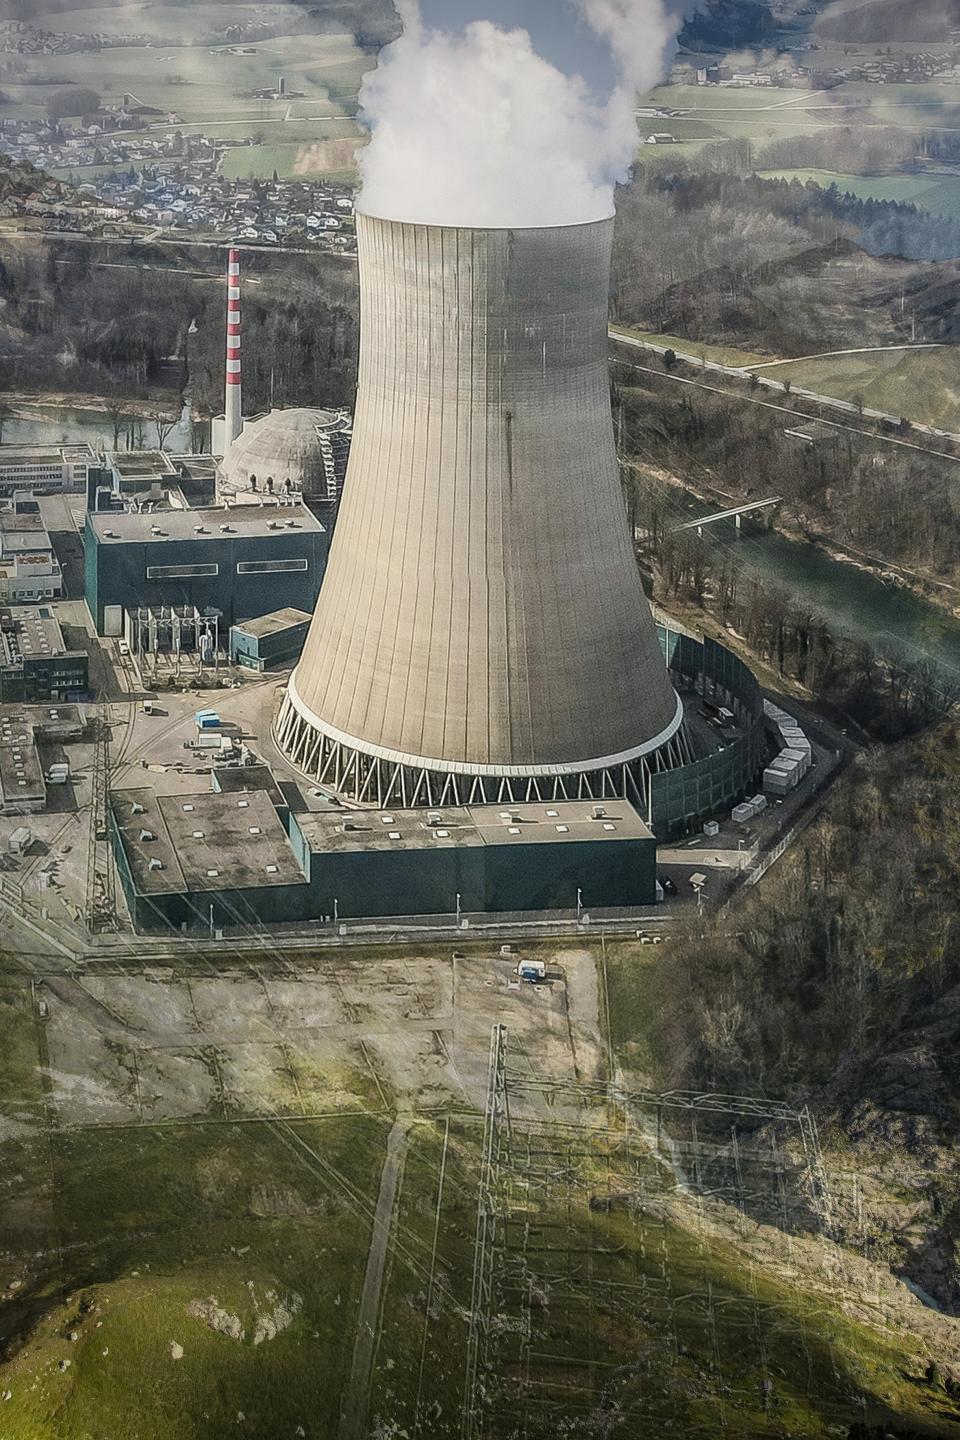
pixel 923 385
pixel 940 194
pixel 199 86
pixel 314 159
pixel 746 114
pixel 164 21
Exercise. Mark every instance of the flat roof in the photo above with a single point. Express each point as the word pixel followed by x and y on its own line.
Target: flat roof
pixel 204 842
pixel 244 779
pixel 17 522
pixel 142 464
pixel 29 457
pixel 455 827
pixel 77 450
pixel 25 542
pixel 54 722
pixel 21 774
pixel 216 523
pixel 27 634
pixel 275 622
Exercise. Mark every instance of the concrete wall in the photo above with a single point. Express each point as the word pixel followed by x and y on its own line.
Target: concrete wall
pixel 490 879
pixel 115 573
pixel 261 652
pixel 483 604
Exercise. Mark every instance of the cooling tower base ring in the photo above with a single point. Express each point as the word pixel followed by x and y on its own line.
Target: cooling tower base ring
pixel 368 775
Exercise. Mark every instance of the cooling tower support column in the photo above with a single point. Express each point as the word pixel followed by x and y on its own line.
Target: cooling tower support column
pixel 233 420
pixel 482 634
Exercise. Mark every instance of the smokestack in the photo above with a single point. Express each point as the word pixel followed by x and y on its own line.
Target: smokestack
pixel 482 635
pixel 233 421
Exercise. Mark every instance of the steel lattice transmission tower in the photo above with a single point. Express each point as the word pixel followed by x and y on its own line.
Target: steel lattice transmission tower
pixel 482 633
pixel 101 895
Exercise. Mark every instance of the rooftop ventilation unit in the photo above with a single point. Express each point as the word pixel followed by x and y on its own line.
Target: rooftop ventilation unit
pixel 137 808
pixel 599 812
pixel 146 835
pixel 155 864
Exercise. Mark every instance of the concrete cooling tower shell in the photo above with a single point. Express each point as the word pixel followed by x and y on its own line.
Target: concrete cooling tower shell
pixel 482 614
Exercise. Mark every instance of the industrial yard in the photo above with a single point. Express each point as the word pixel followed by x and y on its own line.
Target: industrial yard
pixel 286 1157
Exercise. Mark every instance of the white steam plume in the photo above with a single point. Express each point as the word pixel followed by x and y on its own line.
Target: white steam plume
pixel 477 129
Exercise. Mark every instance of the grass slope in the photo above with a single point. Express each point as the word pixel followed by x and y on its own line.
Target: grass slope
pixel 924 385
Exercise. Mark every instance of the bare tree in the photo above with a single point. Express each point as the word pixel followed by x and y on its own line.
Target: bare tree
pixel 165 424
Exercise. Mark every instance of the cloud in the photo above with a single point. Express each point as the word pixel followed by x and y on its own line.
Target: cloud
pixel 473 127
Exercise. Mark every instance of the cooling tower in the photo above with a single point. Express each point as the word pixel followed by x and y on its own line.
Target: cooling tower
pixel 482 633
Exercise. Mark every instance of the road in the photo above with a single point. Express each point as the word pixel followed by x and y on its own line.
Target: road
pixel 356 1400
pixel 743 372
pixel 799 418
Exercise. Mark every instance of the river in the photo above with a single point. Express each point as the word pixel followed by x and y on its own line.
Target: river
pixel 856 602
pixel 33 424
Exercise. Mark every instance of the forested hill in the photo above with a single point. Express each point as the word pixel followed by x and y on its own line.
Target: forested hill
pixel 888 21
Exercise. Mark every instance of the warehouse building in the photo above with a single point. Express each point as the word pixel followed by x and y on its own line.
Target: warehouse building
pixel 223 859
pixel 271 641
pixel 205 861
pixel 483 859
pixel 240 562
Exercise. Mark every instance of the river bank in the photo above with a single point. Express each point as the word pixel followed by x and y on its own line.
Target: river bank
pixel 52 419
pixel 872 604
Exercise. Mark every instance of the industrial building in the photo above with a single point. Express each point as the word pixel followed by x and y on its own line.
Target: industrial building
pixel 298 451
pixel 483 634
pixel 223 859
pixel 36 664
pixel 238 563
pixel 44 469
pixel 29 569
pixel 23 732
pixel 269 641
pixel 204 860
pixel 476 859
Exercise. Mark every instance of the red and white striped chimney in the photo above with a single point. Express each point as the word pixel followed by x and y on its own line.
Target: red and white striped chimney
pixel 233 420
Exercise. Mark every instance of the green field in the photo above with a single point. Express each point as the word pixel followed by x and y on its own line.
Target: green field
pixel 745 114
pixel 200 86
pixel 923 385
pixel 292 162
pixel 722 354
pixel 939 194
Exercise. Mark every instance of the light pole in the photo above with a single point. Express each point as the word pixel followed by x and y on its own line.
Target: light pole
pixel 459 911
pixel 579 905
pixel 336 909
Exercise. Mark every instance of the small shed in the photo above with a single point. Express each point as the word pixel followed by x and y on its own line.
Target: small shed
pixel 271 641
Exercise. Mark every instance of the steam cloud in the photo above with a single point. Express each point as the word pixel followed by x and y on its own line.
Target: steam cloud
pixel 476 128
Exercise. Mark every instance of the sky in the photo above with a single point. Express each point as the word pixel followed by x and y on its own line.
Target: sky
pixel 567 42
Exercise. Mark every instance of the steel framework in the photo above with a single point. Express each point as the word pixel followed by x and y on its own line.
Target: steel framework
pixel 563 1161
pixel 369 780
